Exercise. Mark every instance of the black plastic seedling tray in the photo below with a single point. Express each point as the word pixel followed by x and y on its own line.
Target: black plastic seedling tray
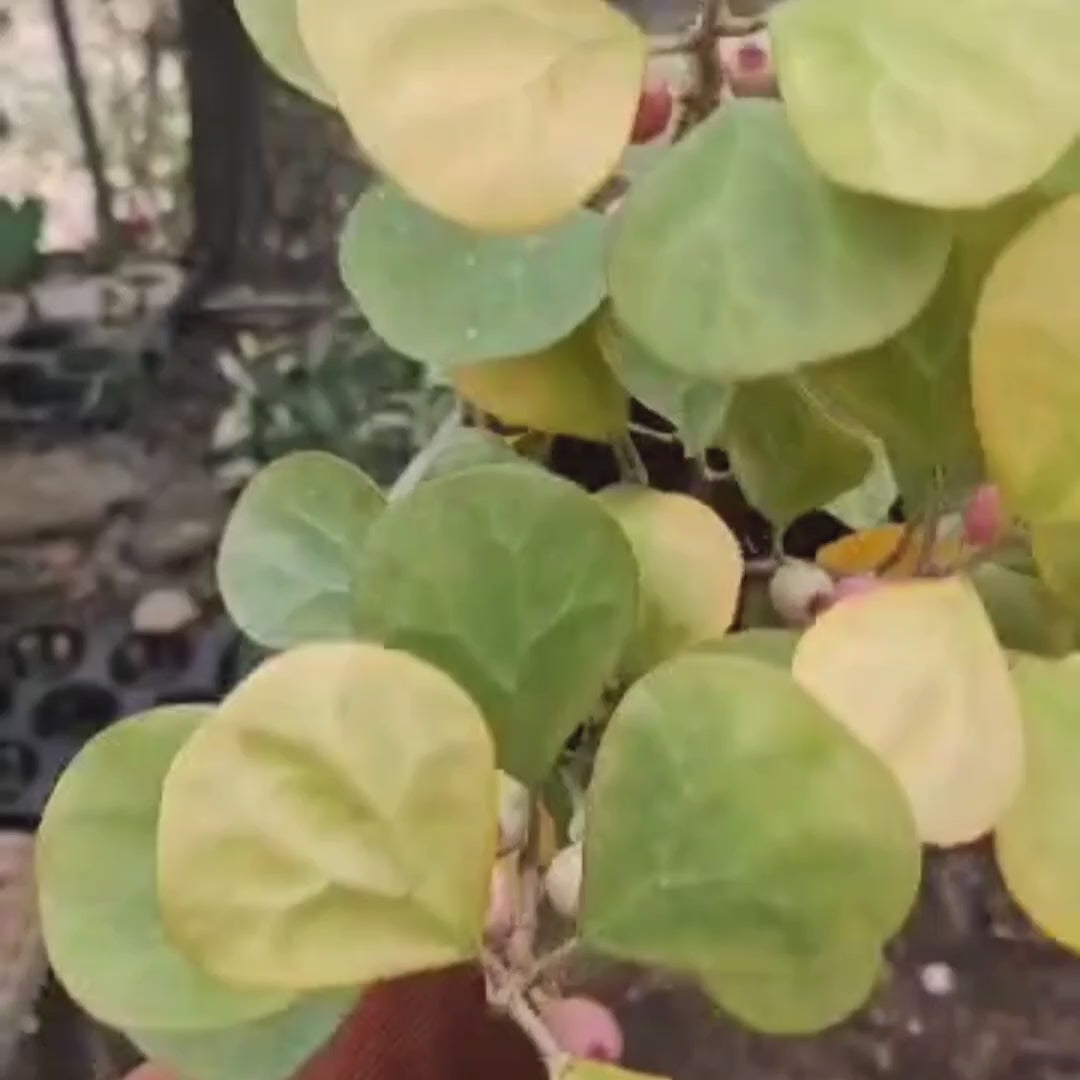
pixel 62 684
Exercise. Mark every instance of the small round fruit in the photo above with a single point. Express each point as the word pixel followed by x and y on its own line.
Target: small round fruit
pixel 563 881
pixel 655 107
pixel 515 806
pixel 799 591
pixel 984 516
pixel 502 901
pixel 584 1028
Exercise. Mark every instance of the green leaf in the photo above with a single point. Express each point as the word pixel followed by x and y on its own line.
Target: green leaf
pixel 1064 178
pixel 1056 546
pixel 271 1048
pixel 1026 615
pixel 21 225
pixel 333 825
pixel 696 407
pixel 503 115
pixel 518 585
pixel 566 389
pixel 1036 840
pixel 931 103
pixel 446 295
pixel 867 505
pixel 690 570
pixel 773 847
pixel 767 644
pixel 273 27
pixel 736 259
pixel 98 893
pixel 789 453
pixel 470 447
pixel 283 567
pixel 1025 378
pixel 914 394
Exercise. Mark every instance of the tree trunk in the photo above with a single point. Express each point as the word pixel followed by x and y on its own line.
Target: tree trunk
pixel 224 77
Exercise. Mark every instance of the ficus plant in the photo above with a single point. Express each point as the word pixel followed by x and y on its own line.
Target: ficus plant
pixel 506 720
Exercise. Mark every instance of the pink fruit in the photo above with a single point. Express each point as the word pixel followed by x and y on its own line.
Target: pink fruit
pixel 857 585
pixel 750 71
pixel 654 111
pixel 984 516
pixel 583 1028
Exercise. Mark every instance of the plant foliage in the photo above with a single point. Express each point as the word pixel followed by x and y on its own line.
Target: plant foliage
pixel 489 677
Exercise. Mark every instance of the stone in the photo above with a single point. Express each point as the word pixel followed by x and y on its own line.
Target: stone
pixel 164 611
pixel 65 490
pixel 179 525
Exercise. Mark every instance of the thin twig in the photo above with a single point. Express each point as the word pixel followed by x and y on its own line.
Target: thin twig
pixel 515 1003
pixel 631 468
pixel 931 521
pixel 88 133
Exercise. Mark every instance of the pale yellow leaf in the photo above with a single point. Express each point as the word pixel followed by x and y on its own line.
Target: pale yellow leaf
pixel 690 568
pixel 1025 367
pixel 503 115
pixel 915 671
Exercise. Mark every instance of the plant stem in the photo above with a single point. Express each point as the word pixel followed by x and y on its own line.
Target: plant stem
pixel 631 468
pixel 417 469
pixel 514 1001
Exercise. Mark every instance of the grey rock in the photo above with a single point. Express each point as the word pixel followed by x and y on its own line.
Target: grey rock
pixel 179 525
pixel 66 490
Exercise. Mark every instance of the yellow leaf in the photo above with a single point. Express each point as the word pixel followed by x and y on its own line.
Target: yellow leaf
pixel 564 390
pixel 1025 367
pixel 502 115
pixel 863 552
pixel 1036 841
pixel 598 1070
pixel 690 568
pixel 331 824
pixel 914 671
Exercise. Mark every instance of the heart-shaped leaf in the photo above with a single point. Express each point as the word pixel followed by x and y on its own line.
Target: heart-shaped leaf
pixel 914 671
pixel 931 103
pixel 1036 839
pixel 696 407
pixel 566 389
pixel 96 859
pixel 273 27
pixel 446 295
pixel 772 846
pixel 703 268
pixel 690 571
pixel 283 567
pixel 503 115
pixel 770 645
pixel 788 452
pixel 518 585
pixel 1025 367
pixel 333 824
pixel 271 1048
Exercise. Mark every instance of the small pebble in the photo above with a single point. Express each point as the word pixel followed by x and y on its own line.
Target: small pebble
pixel 938 979
pixel 164 611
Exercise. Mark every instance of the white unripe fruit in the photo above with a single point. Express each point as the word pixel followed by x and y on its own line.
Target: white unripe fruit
pixel 799 591
pixel 563 881
pixel 515 805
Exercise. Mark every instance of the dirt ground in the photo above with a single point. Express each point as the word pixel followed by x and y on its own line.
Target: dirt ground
pixel 971 991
